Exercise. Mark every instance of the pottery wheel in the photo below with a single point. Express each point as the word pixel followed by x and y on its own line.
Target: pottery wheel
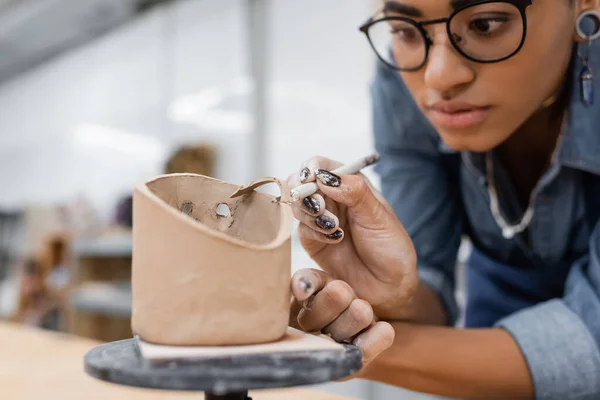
pixel 224 377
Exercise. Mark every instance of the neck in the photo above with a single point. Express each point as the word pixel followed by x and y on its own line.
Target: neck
pixel 527 154
pixel 538 136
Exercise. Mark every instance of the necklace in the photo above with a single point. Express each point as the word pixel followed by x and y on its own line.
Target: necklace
pixel 509 231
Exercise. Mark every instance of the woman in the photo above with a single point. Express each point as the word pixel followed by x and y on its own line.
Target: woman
pixel 485 122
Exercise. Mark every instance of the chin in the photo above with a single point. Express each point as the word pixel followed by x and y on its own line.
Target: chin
pixel 477 142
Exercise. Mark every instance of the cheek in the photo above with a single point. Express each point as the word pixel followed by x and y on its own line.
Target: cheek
pixel 519 86
pixel 415 82
pixel 534 74
pixel 517 91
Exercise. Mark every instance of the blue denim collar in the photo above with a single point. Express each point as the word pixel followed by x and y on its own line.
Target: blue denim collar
pixel 580 147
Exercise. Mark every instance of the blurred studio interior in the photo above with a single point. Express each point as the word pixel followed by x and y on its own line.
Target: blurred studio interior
pixel 97 95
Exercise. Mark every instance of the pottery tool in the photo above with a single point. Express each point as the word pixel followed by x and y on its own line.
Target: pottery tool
pixel 310 188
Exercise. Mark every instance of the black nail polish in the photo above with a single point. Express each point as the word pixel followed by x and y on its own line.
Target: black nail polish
pixel 305 284
pixel 311 204
pixel 328 178
pixel 336 235
pixel 304 174
pixel 325 222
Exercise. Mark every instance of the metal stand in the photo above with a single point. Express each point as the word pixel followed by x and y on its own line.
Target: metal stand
pixel 231 396
pixel 221 378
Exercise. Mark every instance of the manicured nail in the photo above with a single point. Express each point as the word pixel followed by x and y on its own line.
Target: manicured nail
pixel 336 235
pixel 328 178
pixel 311 204
pixel 325 222
pixel 305 285
pixel 304 174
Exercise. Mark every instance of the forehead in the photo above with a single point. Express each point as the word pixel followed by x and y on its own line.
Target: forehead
pixel 420 8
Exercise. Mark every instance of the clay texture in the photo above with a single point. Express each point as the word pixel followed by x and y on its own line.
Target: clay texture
pixel 202 279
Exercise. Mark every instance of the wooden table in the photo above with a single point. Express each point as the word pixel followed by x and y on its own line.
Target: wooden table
pixel 42 365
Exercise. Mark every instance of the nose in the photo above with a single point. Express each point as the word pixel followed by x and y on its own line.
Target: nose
pixel 446 69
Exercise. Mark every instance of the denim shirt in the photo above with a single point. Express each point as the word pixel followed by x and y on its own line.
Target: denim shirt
pixel 543 285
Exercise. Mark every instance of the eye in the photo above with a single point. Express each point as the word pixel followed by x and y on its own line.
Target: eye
pixel 405 33
pixel 487 25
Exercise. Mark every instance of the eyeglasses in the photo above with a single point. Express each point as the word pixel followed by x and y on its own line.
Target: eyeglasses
pixel 484 31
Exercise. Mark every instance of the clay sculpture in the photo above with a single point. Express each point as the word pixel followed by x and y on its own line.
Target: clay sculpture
pixel 211 262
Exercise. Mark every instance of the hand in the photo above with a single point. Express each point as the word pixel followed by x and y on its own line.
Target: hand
pixel 331 307
pixel 352 233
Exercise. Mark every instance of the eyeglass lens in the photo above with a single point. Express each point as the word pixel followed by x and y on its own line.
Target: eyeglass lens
pixel 483 32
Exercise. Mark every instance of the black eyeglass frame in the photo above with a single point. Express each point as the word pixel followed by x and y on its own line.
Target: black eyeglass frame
pixel 521 5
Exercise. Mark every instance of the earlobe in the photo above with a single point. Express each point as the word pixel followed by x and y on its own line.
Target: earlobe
pixel 584 5
pixel 587 25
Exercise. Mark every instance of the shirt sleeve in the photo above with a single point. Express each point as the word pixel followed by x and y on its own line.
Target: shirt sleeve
pixel 415 179
pixel 560 338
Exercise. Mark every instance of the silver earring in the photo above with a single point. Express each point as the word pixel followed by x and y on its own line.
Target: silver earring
pixel 587 77
pixel 580 25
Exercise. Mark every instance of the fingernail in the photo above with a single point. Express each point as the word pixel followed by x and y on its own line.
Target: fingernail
pixel 325 222
pixel 311 204
pixel 306 304
pixel 304 174
pixel 336 235
pixel 328 178
pixel 305 285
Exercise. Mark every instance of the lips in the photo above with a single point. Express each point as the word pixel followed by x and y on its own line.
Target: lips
pixel 457 114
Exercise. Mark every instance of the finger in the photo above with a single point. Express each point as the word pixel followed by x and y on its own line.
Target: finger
pixel 295 307
pixel 375 340
pixel 308 235
pixel 326 223
pixel 312 205
pixel 297 178
pixel 326 306
pixel 352 191
pixel 306 173
pixel 335 209
pixel 311 165
pixel 379 196
pixel 357 317
pixel 307 282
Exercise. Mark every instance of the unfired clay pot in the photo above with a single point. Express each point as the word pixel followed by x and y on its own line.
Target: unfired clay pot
pixel 200 278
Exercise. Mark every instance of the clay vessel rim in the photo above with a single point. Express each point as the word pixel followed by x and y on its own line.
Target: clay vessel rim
pixel 283 235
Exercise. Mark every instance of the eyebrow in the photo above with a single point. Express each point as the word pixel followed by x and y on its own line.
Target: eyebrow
pixel 400 8
pixel 456 4
pixel 405 9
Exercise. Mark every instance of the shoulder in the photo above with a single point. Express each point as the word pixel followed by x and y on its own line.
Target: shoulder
pixel 397 120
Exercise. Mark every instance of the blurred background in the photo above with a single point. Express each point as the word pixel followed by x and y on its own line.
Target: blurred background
pixel 96 95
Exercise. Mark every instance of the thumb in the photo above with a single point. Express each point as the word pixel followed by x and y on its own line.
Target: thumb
pixel 307 282
pixel 352 191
